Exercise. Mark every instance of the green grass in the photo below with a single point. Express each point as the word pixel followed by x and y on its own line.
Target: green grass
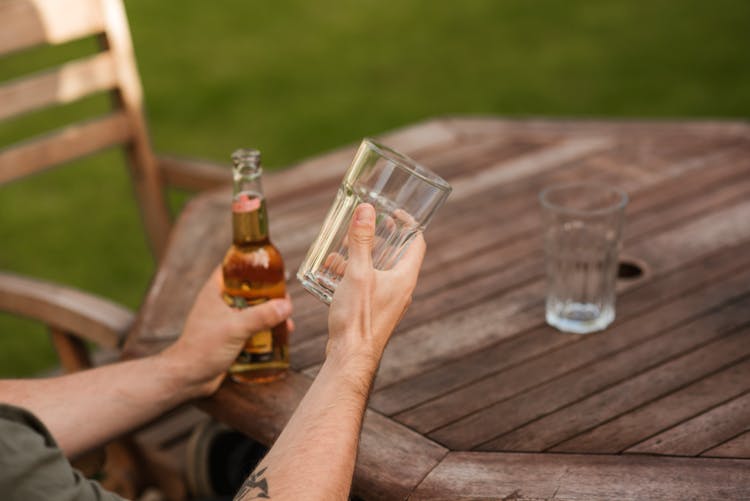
pixel 296 78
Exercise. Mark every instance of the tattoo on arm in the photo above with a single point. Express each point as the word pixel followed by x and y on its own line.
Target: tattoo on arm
pixel 255 487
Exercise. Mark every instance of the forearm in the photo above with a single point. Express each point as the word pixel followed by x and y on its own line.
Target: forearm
pixel 88 408
pixel 314 456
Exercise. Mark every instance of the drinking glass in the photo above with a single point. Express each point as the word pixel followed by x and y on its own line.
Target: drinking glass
pixel 582 229
pixel 405 196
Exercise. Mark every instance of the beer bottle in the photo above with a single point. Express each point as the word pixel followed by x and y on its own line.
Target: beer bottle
pixel 254 272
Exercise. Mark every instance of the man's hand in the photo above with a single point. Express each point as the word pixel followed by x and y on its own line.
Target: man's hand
pixel 368 303
pixel 119 397
pixel 214 334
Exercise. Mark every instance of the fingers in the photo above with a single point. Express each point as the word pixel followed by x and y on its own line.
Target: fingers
pixel 335 264
pixel 411 261
pixel 361 237
pixel 405 218
pixel 214 283
pixel 265 315
pixel 216 277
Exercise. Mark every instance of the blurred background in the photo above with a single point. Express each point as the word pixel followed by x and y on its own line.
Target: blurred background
pixel 297 78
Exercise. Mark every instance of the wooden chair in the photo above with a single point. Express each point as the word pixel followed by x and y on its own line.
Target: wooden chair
pixel 73 316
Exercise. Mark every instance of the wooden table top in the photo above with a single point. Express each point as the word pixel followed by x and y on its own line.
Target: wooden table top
pixel 476 397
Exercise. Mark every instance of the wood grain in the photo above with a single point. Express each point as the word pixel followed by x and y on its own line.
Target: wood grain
pixel 693 274
pixel 128 96
pixel 626 430
pixel 459 276
pixel 420 392
pixel 66 309
pixel 737 447
pixel 702 432
pixel 71 351
pixel 525 165
pixel 193 174
pixel 61 85
pixel 27 23
pixel 496 399
pixel 639 388
pixel 73 141
pixel 659 303
pixel 521 477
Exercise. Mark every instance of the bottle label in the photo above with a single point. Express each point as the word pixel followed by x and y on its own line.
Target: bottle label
pixel 257 349
pixel 260 343
pixel 244 203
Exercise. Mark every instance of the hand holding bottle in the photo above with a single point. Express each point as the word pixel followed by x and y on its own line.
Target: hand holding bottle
pixel 214 335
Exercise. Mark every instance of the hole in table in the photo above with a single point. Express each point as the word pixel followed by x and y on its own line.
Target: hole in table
pixel 629 270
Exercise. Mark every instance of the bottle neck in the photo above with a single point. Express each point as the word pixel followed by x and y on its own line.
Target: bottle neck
pixel 249 216
pixel 249 219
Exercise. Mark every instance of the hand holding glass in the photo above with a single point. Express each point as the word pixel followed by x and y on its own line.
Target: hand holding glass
pixel 405 196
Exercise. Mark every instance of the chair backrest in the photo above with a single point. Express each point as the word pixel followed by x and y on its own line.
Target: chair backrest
pixel 29 23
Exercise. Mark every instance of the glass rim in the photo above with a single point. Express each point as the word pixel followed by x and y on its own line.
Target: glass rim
pixel 408 164
pixel 619 204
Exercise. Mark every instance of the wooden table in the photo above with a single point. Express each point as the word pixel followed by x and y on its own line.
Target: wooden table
pixel 476 397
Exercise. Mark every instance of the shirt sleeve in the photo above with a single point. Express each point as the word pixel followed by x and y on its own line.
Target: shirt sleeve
pixel 33 468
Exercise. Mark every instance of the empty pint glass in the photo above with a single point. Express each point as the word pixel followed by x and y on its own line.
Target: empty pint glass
pixel 582 228
pixel 405 196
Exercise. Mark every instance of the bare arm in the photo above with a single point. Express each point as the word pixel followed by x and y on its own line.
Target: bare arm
pixel 86 409
pixel 314 456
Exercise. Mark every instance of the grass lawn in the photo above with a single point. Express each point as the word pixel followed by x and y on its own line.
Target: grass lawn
pixel 296 78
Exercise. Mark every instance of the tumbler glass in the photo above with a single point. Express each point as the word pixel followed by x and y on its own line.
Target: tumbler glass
pixel 405 196
pixel 582 228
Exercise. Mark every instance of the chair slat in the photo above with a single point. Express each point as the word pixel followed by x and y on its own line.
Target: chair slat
pixel 61 85
pixel 193 174
pixel 27 23
pixel 61 146
pixel 66 309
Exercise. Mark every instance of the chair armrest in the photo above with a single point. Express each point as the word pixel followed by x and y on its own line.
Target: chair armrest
pixel 65 308
pixel 195 175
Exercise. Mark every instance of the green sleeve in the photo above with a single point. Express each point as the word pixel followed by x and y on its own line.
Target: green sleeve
pixel 32 467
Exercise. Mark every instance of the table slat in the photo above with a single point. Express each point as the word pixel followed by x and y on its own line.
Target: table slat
pixel 702 432
pixel 531 477
pixel 628 429
pixel 737 447
pixel 639 389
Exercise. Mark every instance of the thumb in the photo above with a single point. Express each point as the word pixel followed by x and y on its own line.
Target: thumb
pixel 361 237
pixel 265 315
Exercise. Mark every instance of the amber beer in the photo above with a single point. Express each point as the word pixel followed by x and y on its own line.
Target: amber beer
pixel 254 273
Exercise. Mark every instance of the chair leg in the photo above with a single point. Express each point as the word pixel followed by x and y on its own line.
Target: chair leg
pixel 122 472
pixel 162 473
pixel 71 350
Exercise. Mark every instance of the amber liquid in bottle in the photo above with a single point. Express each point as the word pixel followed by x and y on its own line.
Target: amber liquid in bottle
pixel 254 273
